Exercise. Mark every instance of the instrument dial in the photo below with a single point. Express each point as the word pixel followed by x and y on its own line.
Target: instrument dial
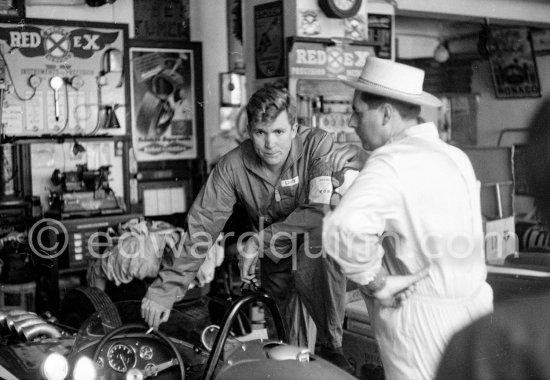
pixel 146 352
pixel 121 357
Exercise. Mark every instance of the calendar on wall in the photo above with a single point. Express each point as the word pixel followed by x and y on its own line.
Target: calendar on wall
pixel 63 78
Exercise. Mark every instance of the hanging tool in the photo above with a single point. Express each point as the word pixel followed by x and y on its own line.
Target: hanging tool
pixel 56 83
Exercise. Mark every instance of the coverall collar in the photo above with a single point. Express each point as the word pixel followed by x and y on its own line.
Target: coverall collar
pixel 254 163
pixel 428 129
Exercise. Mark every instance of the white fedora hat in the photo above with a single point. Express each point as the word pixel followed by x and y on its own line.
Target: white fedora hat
pixel 394 80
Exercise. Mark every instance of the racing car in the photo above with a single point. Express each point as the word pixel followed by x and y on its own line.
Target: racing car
pixel 115 343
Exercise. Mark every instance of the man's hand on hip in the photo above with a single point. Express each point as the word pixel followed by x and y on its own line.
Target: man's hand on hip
pixel 153 313
pixel 398 288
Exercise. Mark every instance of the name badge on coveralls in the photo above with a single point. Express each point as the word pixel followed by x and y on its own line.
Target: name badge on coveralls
pixel 290 182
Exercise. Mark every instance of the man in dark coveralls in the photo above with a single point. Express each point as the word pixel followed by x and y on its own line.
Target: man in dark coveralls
pixel 279 178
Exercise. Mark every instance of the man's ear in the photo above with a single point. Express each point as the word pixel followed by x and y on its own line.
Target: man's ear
pixel 387 115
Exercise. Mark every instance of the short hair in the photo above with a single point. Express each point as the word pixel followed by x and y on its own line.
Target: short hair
pixel 406 110
pixel 266 104
pixel 538 156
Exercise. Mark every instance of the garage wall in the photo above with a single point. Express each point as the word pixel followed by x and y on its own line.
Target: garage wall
pixel 207 21
pixel 498 114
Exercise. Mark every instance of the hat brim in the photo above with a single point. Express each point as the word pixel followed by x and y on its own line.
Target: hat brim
pixel 424 99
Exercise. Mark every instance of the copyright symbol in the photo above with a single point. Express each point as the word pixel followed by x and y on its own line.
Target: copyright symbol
pixel 51 232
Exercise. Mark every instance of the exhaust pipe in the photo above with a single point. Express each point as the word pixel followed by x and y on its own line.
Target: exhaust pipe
pixel 40 329
pixel 18 325
pixel 5 313
pixel 11 319
pixel 27 325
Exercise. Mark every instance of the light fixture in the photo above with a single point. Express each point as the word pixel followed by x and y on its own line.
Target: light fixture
pixel 441 52
pixel 84 369
pixel 55 367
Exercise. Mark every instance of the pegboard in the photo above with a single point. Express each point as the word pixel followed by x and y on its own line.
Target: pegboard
pixel 63 78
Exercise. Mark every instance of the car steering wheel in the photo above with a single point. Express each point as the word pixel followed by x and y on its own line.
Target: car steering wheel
pixel 144 372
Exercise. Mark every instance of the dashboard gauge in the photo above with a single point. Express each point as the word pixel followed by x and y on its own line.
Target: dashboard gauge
pixel 100 362
pixel 121 357
pixel 146 352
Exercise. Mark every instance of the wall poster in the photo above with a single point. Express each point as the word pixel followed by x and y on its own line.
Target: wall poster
pixel 269 40
pixel 513 65
pixel 235 36
pixel 63 78
pixel 164 80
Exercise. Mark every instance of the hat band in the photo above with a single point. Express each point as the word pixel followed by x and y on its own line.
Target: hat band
pixel 366 81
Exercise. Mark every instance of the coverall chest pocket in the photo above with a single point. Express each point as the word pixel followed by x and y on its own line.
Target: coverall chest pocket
pixel 253 210
pixel 287 205
pixel 288 198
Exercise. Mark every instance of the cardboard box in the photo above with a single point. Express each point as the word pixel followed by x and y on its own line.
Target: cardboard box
pixel 501 240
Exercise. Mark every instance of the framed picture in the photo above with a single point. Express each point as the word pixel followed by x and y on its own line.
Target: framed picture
pixel 166 100
pixel 513 65
pixel 12 8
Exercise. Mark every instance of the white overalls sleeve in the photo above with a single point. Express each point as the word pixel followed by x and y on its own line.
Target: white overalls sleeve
pixel 352 232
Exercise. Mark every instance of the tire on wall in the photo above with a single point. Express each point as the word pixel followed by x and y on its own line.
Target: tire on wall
pixel 80 303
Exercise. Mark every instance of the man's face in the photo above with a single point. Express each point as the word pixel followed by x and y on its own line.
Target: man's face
pixel 272 142
pixel 368 123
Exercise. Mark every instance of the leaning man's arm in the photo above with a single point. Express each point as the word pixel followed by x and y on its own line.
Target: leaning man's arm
pixel 173 280
pixel 205 220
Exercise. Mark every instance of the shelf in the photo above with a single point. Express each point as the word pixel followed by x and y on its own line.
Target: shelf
pixel 72 270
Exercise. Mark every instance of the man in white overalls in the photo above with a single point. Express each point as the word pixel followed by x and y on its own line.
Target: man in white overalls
pixel 412 216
